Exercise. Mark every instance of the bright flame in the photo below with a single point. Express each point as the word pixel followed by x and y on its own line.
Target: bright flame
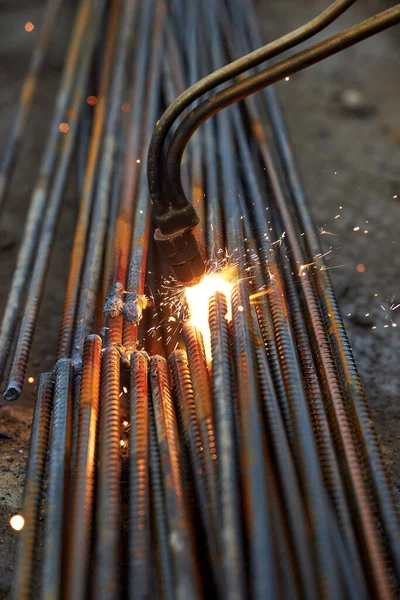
pixel 17 522
pixel 198 297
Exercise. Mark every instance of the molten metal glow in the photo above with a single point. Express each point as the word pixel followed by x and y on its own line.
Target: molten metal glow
pixel 17 522
pixel 198 297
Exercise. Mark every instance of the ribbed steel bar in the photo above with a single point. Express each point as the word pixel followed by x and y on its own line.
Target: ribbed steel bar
pixel 96 241
pixel 86 201
pixel 123 230
pixel 52 575
pixel 341 347
pixel 334 325
pixel 139 498
pixel 134 299
pixel 36 286
pixel 231 534
pixel 40 193
pixel 165 576
pixel 295 511
pixel 204 409
pixel 321 345
pixel 186 405
pixel 244 473
pixel 106 584
pixel 286 349
pixel 257 514
pixel 181 544
pixel 326 451
pixel 81 511
pixel 306 454
pixel 11 150
pixel 23 584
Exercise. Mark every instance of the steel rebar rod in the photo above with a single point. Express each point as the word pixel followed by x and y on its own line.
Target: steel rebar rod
pixel 36 286
pixel 85 206
pixel 52 574
pixel 179 538
pixel 40 193
pixel 139 501
pixel 96 241
pixel 106 584
pixel 81 510
pixel 23 585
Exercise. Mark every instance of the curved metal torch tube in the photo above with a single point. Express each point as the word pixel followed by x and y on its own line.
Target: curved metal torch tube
pixel 303 33
pixel 258 81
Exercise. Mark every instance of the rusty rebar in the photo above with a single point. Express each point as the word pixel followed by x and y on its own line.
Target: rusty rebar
pixel 96 240
pixel 52 576
pixel 250 473
pixel 231 534
pixel 186 405
pixel 123 230
pixel 107 550
pixel 36 286
pixel 180 541
pixel 40 193
pixel 139 497
pixel 23 585
pixel 85 206
pixel 256 500
pixel 204 408
pixel 81 511
pixel 134 299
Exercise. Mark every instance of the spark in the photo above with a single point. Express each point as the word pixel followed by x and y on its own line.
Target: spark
pixel 125 390
pixel 305 267
pixel 64 127
pixel 325 268
pixel 91 100
pixel 29 26
pixel 31 379
pixel 125 423
pixel 17 522
pixel 198 298
pixel 356 229
pixel 279 241
pixel 324 231
pixel 122 443
pixel 287 78
pixel 360 268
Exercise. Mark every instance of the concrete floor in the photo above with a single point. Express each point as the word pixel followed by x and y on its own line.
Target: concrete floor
pixel 347 158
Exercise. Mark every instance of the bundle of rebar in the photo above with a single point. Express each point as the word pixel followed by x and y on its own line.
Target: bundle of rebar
pixel 169 460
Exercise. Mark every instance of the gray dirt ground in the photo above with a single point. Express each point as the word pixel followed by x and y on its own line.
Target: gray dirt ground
pixel 348 159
